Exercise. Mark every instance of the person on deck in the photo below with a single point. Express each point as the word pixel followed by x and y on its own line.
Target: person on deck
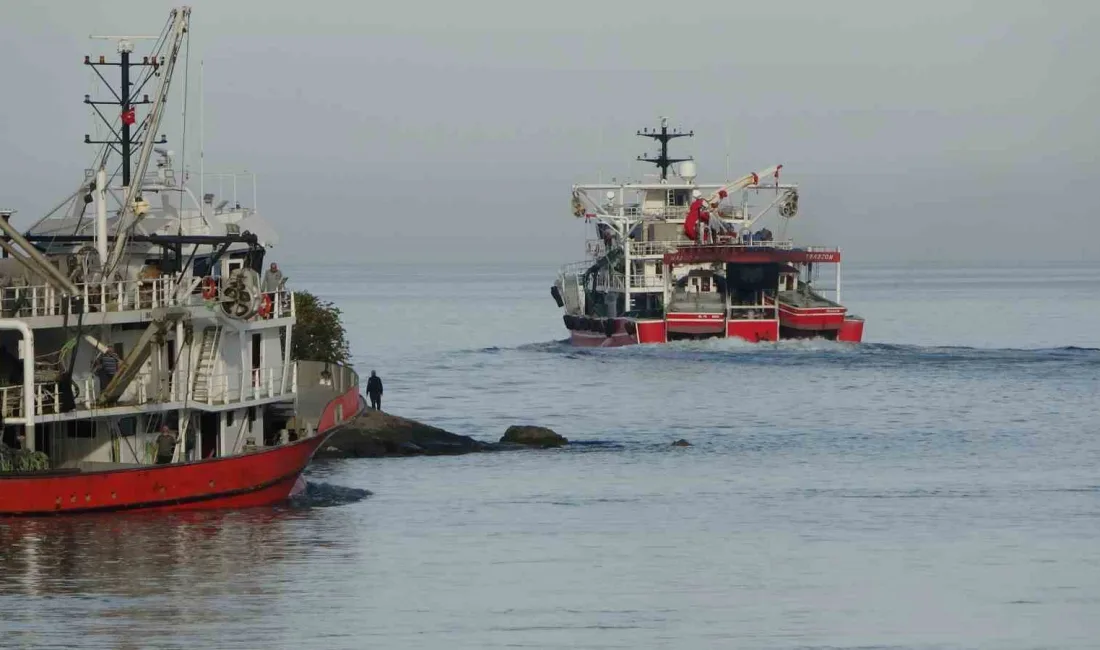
pixel 273 279
pixel 374 391
pixel 166 445
pixel 106 367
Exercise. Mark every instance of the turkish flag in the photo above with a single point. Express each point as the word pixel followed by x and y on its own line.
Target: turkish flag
pixel 128 116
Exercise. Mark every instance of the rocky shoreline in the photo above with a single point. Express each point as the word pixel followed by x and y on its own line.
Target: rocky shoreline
pixel 376 434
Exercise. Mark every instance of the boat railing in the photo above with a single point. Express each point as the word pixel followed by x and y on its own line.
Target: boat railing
pixel 760 311
pixel 48 396
pixel 665 212
pixel 328 394
pixel 644 248
pixel 575 267
pixel 227 388
pixel 34 301
pixel 117 296
pixel 594 248
pixel 744 243
pixel 282 305
pixel 254 384
pixel 617 282
pixel 658 248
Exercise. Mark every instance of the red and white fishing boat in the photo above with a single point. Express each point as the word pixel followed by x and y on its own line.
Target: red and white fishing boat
pixel 675 259
pixel 137 305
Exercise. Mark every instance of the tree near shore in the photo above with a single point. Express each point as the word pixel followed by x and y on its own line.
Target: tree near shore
pixel 319 333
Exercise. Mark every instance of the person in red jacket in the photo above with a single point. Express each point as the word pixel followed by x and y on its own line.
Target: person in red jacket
pixel 696 214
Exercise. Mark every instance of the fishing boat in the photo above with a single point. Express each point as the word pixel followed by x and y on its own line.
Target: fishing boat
pixel 144 361
pixel 671 259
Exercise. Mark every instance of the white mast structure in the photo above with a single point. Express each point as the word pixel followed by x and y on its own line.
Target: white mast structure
pixel 132 213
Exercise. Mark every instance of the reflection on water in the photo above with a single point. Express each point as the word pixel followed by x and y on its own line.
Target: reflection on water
pixel 138 579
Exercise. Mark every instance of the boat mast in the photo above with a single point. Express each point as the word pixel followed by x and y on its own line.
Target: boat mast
pixel 122 140
pixel 663 161
pixel 663 136
pixel 131 179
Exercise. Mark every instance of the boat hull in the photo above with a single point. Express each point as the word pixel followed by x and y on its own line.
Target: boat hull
pixel 623 331
pixel 630 332
pixel 260 478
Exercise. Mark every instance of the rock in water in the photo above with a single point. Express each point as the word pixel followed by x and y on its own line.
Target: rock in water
pixel 533 436
pixel 375 434
pixel 681 443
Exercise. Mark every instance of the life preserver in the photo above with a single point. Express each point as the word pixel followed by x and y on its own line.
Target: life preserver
pixel 265 306
pixel 209 287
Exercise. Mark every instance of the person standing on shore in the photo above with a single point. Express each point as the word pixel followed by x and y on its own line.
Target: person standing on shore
pixel 374 391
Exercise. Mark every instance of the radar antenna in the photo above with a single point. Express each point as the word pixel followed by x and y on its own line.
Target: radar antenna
pixel 663 136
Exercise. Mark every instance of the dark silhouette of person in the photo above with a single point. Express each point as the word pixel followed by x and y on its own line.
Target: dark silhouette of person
pixel 374 391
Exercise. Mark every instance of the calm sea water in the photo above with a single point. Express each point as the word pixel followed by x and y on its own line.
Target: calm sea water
pixel 936 487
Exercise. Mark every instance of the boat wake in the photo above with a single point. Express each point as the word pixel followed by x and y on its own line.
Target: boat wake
pixel 813 351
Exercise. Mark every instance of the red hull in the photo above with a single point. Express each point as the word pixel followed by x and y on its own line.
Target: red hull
pixel 258 478
pixel 851 331
pixel 630 332
pixel 811 319
pixel 625 331
pixel 695 323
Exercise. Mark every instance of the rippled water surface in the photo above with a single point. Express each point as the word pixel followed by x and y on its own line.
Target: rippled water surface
pixel 935 487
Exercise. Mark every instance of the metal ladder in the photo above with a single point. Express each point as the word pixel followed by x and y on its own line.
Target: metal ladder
pixel 204 367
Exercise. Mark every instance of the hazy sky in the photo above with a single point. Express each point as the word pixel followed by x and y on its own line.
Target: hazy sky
pixel 453 130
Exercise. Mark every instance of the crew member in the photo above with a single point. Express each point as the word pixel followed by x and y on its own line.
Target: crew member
pixel 106 367
pixel 166 445
pixel 273 280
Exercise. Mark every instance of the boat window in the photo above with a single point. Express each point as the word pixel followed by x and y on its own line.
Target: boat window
pixel 81 429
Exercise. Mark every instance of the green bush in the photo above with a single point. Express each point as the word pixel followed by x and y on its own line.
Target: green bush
pixel 318 334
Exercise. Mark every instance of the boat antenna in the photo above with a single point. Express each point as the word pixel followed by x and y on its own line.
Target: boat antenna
pixel 125 98
pixel 202 142
pixel 663 136
pixel 726 133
